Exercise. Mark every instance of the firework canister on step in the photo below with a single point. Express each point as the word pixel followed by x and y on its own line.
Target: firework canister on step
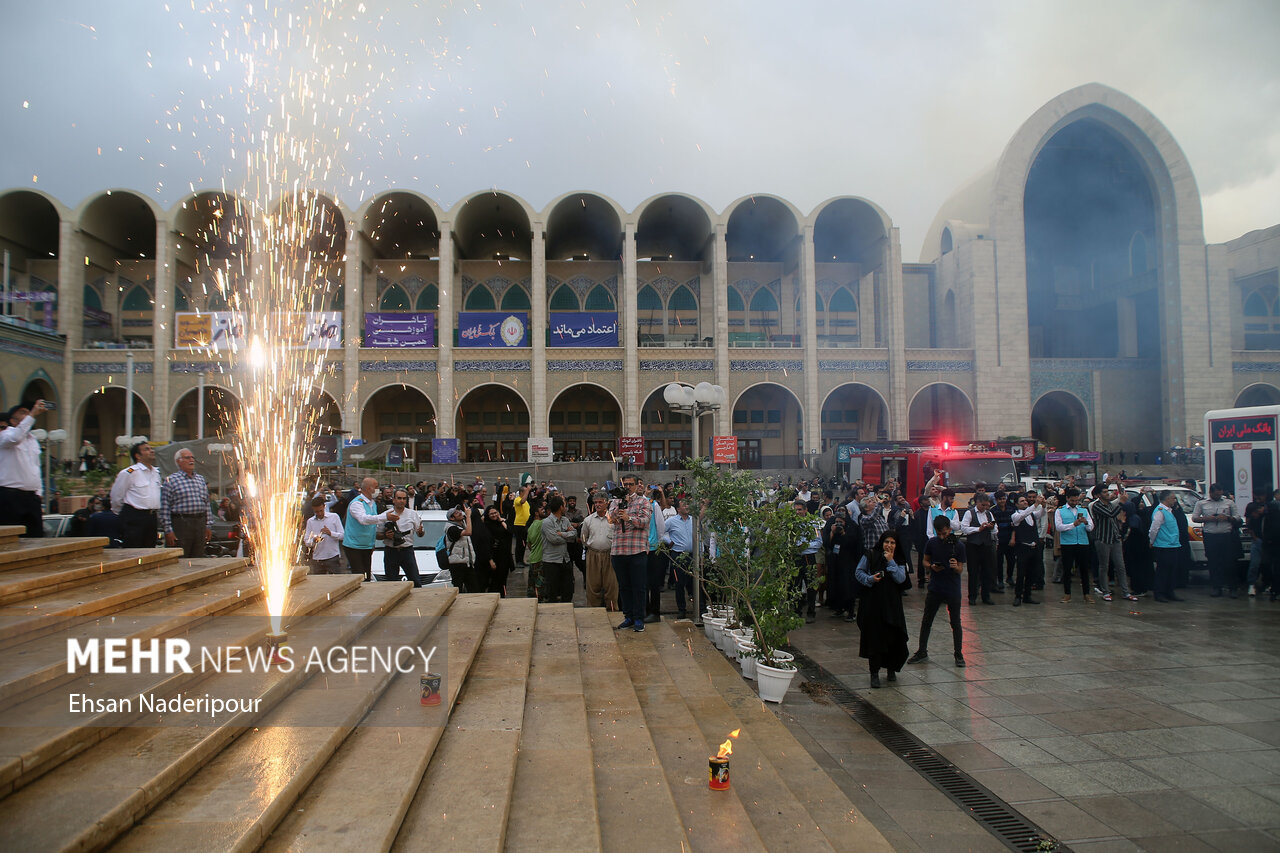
pixel 431 689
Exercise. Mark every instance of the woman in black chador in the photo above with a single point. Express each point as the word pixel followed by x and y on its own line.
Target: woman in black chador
pixel 880 618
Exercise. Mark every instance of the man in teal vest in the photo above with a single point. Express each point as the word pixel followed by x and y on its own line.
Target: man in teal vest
pixel 1073 524
pixel 361 529
pixel 1166 543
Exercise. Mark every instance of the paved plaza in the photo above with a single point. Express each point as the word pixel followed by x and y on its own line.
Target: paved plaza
pixel 1113 727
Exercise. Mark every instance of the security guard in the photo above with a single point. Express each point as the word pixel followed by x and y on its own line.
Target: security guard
pixel 136 493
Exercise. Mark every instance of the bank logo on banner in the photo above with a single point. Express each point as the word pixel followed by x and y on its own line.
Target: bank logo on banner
pixel 493 329
pixel 512 331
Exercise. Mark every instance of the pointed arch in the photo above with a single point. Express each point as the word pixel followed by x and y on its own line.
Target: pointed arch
pixel 600 299
pixel 516 299
pixel 564 299
pixel 394 298
pixel 428 299
pixel 480 299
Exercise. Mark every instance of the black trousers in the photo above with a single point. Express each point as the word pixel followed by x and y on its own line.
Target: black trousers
pixel 19 507
pixel 395 559
pixel 679 562
pixel 1006 562
pixel 557 582
pixel 805 563
pixel 1026 562
pixel 982 569
pixel 1166 571
pixel 1078 556
pixel 189 530
pixel 1220 553
pixel 654 582
pixel 932 601
pixel 139 526
pixel 361 561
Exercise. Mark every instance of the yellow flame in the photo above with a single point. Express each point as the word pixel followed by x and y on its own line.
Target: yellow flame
pixel 726 748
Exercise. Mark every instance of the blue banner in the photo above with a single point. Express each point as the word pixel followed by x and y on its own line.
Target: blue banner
pixel 444 451
pixel 385 329
pixel 584 329
pixel 493 329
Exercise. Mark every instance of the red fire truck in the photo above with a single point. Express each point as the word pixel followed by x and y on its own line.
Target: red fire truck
pixel 962 467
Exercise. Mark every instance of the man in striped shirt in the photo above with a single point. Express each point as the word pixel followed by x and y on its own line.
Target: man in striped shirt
pixel 1108 515
pixel 184 507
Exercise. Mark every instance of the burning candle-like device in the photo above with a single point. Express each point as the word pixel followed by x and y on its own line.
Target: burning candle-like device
pixel 279 651
pixel 718 764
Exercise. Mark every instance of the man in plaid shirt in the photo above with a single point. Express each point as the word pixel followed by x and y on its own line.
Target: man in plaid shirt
pixel 630 552
pixel 184 507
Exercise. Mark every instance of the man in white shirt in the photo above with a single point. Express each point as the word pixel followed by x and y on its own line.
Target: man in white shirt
pixel 135 495
pixel 361 529
pixel 597 537
pixel 20 485
pixel 978 527
pixel 397 534
pixel 321 537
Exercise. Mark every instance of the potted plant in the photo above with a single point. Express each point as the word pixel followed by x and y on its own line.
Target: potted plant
pixel 753 567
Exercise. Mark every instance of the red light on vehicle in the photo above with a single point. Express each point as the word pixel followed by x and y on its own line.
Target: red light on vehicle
pixel 946 445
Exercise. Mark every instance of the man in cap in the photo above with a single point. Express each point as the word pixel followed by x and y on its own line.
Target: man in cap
pixel 20 485
pixel 136 492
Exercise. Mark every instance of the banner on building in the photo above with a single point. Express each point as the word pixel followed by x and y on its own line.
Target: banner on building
pixel 444 451
pixel 631 448
pixel 541 450
pixel 223 331
pixel 417 329
pixel 30 296
pixel 327 451
pixel 493 329
pixel 724 448
pixel 584 329
pixel 395 456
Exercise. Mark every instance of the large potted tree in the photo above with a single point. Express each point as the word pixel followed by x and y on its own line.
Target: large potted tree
pixel 753 564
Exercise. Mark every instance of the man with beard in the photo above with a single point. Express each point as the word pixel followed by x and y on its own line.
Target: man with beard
pixel 500 549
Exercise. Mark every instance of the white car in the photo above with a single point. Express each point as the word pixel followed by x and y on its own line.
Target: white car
pixel 434 522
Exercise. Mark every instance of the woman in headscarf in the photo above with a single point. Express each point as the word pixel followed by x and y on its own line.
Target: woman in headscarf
pixel 842 542
pixel 880 617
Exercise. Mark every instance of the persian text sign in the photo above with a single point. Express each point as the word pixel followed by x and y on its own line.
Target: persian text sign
pixel 579 329
pixel 444 451
pixel 493 329
pixel 1259 428
pixel 223 331
pixel 724 448
pixel 541 449
pixel 416 329
pixel 631 448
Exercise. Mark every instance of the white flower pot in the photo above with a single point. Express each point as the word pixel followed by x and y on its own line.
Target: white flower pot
pixel 745 660
pixel 728 641
pixel 714 626
pixel 773 681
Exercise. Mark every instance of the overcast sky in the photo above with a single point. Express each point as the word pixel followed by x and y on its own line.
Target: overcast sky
pixel 901 103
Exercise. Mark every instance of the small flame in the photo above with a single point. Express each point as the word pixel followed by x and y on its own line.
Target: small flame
pixel 726 748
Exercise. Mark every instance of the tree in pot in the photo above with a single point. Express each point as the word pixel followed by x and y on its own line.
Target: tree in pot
pixel 754 567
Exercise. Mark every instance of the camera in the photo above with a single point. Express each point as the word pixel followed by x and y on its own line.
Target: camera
pixel 394 535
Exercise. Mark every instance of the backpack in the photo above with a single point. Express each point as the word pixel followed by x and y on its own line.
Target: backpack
pixel 442 550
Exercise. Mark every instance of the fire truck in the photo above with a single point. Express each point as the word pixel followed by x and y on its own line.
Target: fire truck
pixel 961 467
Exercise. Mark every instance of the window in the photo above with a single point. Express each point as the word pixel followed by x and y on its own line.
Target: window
pixel 591 418
pixel 564 299
pixel 775 416
pixel 394 299
pixel 557 419
pixel 842 300
pixel 180 300
pixel 763 301
pixel 489 418
pixel 600 299
pixel 739 416
pixel 1261 311
pixel 473 419
pixel 735 300
pixel 573 418
pixel 480 299
pixel 648 299
pixel 136 299
pixel 609 418
pixel 515 299
pixel 683 300
pixel 429 298
pixel 1260 461
pixel 92 300
pixel 507 418
pixel 757 416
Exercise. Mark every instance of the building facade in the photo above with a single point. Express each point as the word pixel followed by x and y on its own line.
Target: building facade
pixel 1067 293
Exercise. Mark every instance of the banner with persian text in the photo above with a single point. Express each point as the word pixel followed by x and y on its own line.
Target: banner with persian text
pixel 415 329
pixel 223 331
pixel 493 329
pixel 584 329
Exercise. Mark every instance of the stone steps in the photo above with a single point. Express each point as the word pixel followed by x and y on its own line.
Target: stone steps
pixel 341 810
pixel 553 800
pixel 633 797
pixel 36 617
pixel 40 664
pixel 89 801
pixel 29 751
pixel 9 534
pixel 40 552
pixel 709 682
pixel 258 778
pixel 478 749
pixel 42 579
pixel 713 820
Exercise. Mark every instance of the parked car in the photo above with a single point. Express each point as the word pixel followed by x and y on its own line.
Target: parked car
pixel 57 524
pixel 434 522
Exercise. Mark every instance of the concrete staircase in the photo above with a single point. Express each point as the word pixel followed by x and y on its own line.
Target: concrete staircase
pixel 555 731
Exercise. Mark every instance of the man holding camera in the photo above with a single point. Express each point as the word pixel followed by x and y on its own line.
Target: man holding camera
pixel 20 483
pixel 321 536
pixel 944 557
pixel 398 552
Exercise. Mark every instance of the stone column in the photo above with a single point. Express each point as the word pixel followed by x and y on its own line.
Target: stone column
pixel 162 331
pixel 628 329
pixel 809 295
pixel 720 284
pixel 445 322
pixel 895 336
pixel 352 327
pixel 538 333
pixel 70 321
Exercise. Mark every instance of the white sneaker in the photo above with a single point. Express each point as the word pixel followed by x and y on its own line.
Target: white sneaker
pixel 1098 591
pixel 1253 590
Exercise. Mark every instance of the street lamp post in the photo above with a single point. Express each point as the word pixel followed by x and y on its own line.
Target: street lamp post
pixel 47 438
pixel 220 449
pixel 696 402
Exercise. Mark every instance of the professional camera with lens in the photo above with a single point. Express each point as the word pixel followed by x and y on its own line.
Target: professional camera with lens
pixel 395 537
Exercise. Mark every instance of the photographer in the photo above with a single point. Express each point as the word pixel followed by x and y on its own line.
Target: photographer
pixel 842 542
pixel 944 557
pixel 20 482
pixel 398 552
